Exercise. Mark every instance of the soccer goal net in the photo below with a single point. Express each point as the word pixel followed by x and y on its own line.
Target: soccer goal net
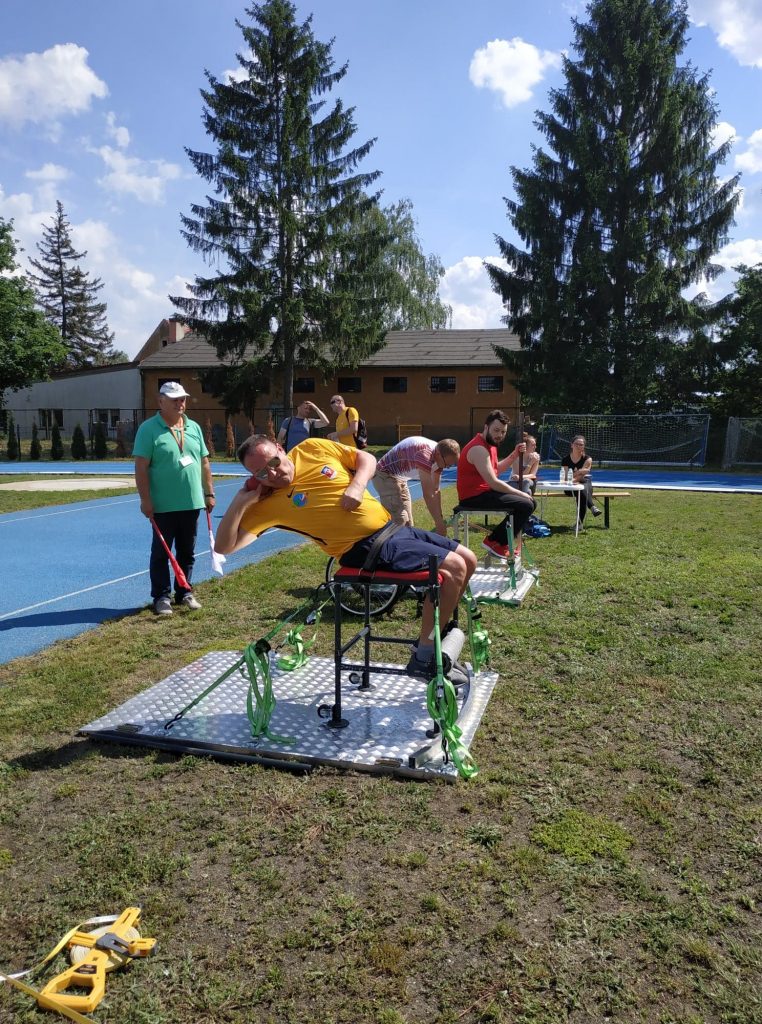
pixel 743 442
pixel 651 440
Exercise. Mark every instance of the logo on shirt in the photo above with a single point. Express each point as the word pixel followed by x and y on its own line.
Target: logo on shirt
pixel 328 471
pixel 299 499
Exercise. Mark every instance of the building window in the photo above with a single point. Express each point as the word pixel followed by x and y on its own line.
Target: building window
pixel 304 385
pixel 395 385
pixel 4 421
pixel 351 384
pixel 490 384
pixel 442 385
pixel 51 417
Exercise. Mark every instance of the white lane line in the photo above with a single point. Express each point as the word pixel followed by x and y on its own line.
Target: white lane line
pixel 69 511
pixel 74 593
pixel 85 590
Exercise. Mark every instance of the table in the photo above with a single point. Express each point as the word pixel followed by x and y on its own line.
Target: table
pixel 548 487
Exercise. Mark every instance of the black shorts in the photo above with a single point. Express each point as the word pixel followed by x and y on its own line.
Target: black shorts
pixel 407 550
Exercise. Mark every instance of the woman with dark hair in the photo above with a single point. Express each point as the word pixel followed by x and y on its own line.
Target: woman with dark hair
pixel 581 465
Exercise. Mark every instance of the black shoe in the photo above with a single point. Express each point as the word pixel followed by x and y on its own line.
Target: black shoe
pixel 427 670
pixel 595 510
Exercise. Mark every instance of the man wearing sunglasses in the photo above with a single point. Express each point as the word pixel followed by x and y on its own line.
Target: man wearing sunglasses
pixel 319 491
pixel 347 422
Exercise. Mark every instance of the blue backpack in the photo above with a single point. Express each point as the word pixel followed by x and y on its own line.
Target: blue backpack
pixel 536 527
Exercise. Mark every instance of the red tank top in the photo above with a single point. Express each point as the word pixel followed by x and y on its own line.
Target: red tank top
pixel 470 482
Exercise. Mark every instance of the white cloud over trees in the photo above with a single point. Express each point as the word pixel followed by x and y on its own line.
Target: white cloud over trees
pixel 44 87
pixel 512 68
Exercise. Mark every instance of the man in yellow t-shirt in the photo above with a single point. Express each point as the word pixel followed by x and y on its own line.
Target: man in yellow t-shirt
pixel 347 422
pixel 318 490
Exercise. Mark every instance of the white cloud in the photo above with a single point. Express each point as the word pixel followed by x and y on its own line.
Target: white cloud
pixel 723 132
pixel 43 87
pixel 48 172
pixel 511 67
pixel 737 25
pixel 745 250
pixel 117 132
pixel 751 159
pixel 144 179
pixel 466 288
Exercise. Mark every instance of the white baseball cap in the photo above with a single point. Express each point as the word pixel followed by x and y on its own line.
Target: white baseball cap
pixel 173 390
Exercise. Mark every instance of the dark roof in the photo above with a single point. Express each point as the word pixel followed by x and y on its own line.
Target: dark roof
pixel 443 348
pixel 401 348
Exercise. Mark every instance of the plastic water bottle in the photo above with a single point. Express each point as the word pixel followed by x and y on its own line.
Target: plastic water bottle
pixel 562 477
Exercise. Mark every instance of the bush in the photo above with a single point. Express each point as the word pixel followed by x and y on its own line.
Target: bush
pixel 78 446
pixel 35 449
pixel 100 448
pixel 230 445
pixel 56 444
pixel 209 438
pixel 13 442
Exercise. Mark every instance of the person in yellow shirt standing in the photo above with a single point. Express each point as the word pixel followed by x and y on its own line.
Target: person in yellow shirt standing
pixel 347 422
pixel 318 490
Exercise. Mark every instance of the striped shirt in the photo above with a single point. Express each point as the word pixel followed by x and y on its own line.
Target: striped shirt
pixel 409 458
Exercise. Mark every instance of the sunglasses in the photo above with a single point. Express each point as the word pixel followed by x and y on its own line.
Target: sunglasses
pixel 334 401
pixel 272 463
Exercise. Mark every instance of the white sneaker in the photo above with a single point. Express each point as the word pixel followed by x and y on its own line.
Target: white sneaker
pixel 162 606
pixel 190 601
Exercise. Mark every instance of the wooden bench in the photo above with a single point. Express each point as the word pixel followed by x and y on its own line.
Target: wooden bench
pixel 597 495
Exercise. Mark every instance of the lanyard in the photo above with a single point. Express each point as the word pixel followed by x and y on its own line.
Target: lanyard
pixel 181 439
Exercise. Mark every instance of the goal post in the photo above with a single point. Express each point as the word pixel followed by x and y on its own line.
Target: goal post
pixel 668 439
pixel 743 442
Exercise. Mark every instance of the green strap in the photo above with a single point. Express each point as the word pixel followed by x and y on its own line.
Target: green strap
pixel 290 662
pixel 442 705
pixel 478 637
pixel 260 703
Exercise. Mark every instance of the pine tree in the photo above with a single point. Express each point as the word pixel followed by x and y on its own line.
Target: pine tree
pixel 287 198
pixel 78 445
pixel 622 215
pixel 29 346
pixel 12 449
pixel 35 449
pixel 100 447
pixel 56 444
pixel 68 298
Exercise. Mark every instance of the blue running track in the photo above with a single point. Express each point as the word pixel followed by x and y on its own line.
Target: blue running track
pixel 66 568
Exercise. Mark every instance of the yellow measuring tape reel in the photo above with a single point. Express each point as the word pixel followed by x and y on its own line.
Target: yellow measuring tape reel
pixel 93 954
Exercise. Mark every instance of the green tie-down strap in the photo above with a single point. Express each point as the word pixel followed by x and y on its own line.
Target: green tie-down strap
pixel 443 708
pixel 478 637
pixel 294 639
pixel 260 703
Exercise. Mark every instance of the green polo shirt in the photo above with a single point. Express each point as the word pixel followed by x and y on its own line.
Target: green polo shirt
pixel 174 487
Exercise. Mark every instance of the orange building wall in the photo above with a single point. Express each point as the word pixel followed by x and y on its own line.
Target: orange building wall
pixel 455 414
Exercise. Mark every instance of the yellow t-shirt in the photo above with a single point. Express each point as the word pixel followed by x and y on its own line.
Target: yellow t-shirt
pixel 310 504
pixel 342 423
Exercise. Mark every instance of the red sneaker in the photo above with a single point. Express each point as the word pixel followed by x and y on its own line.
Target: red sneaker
pixel 501 550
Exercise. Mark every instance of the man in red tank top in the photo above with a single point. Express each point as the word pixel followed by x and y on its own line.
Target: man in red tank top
pixel 480 487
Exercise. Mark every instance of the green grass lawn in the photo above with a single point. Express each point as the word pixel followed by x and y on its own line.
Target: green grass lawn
pixel 605 865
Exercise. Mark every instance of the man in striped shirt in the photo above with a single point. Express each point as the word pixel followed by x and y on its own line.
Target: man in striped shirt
pixel 415 457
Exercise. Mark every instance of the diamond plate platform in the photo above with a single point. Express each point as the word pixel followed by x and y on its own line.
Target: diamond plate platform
pixel 386 732
pixel 492 584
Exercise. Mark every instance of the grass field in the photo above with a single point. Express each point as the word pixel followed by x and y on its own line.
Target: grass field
pixel 605 865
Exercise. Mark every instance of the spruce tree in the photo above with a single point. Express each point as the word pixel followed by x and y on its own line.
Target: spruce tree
pixel 622 213
pixel 12 448
pixel 69 298
pixel 279 229
pixel 56 444
pixel 78 445
pixel 100 447
pixel 35 449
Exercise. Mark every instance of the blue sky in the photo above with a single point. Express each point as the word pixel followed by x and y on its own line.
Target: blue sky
pixel 99 99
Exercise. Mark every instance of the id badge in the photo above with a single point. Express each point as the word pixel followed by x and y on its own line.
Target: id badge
pixel 186 460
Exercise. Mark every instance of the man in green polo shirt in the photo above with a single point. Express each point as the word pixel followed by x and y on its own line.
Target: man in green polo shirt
pixel 174 481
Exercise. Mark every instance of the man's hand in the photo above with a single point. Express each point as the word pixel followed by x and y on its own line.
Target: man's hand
pixel 146 507
pixel 441 528
pixel 352 496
